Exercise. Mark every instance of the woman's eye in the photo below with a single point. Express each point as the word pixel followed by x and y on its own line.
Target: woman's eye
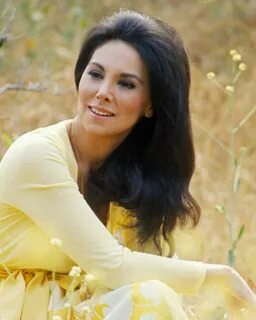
pixel 127 84
pixel 95 74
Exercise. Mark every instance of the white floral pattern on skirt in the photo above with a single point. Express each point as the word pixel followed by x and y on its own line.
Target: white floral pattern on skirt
pixel 148 300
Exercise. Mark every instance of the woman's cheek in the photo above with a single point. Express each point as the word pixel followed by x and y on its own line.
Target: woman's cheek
pixel 86 91
pixel 136 105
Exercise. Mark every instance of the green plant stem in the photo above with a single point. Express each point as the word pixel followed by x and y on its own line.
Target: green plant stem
pixel 216 82
pixel 236 77
pixel 232 209
pixel 245 119
pixel 212 136
pixel 70 293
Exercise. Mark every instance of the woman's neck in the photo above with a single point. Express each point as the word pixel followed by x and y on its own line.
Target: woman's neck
pixel 90 150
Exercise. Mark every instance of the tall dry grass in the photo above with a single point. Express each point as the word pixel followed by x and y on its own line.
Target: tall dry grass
pixel 48 39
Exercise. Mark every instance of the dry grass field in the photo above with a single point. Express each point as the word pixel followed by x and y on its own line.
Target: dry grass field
pixel 40 42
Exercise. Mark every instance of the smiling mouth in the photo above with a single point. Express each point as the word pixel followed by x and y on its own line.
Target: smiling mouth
pixel 101 113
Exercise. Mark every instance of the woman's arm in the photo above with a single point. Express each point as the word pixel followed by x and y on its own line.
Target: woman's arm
pixel 234 288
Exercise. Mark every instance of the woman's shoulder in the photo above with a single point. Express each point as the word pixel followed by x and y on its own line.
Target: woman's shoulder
pixel 52 134
pixel 34 147
pixel 40 140
pixel 38 158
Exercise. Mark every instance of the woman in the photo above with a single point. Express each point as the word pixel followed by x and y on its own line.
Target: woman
pixel 121 167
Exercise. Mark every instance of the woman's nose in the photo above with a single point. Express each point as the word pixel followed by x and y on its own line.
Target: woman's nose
pixel 104 93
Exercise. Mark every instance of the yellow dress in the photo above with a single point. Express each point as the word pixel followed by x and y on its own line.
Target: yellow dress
pixel 46 228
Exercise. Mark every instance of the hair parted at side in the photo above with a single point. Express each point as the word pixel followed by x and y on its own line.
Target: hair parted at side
pixel 150 172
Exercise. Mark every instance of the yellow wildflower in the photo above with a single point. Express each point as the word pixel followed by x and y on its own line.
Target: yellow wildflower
pixel 242 66
pixel 211 75
pixel 75 271
pixel 230 88
pixel 232 52
pixel 237 57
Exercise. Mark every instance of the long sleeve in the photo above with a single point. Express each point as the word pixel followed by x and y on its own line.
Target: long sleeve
pixel 35 178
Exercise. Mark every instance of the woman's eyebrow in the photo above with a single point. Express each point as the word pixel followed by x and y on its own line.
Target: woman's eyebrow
pixel 131 75
pixel 123 74
pixel 97 65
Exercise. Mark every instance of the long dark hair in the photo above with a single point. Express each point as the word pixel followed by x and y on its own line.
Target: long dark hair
pixel 149 173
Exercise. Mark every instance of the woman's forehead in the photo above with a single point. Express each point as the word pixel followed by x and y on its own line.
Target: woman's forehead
pixel 119 56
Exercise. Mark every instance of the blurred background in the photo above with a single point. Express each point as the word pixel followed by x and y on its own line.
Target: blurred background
pixel 39 43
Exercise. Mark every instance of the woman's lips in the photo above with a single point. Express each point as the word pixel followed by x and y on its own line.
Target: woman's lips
pixel 101 111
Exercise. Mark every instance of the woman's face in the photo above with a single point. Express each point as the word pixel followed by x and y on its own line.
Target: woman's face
pixel 113 92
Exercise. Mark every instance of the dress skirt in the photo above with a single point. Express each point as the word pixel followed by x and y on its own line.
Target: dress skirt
pixel 33 296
